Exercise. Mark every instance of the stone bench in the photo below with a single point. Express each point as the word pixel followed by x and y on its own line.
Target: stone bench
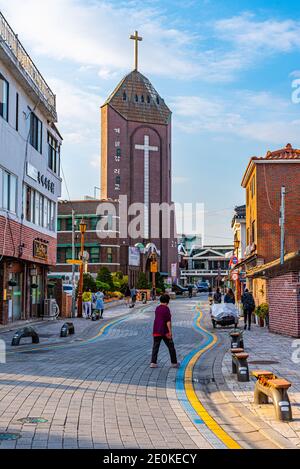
pixel 271 386
pixel 22 333
pixel 240 364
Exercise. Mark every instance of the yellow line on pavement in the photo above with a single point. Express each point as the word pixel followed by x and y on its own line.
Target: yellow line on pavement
pixel 193 398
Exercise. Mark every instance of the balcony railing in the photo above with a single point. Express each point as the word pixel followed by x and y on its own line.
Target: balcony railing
pixel 9 39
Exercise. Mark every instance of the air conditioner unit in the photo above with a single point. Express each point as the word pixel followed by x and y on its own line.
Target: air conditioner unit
pixel 51 309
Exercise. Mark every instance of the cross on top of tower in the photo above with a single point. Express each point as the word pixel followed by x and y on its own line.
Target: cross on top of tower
pixel 136 38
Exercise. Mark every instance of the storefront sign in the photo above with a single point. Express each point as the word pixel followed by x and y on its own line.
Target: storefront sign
pixel 32 172
pixel 40 250
pixel 36 175
pixel 134 256
pixel 173 270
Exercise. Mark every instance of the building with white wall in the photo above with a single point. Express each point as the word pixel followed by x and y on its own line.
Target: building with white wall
pixel 30 181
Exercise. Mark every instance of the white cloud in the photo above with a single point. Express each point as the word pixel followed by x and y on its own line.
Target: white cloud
pixel 271 35
pixel 259 116
pixel 78 112
pixel 96 34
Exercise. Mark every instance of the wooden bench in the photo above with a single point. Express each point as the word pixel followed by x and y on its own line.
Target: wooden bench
pixel 237 339
pixel 268 385
pixel 240 364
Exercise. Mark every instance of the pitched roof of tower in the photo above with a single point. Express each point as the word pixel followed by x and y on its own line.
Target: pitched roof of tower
pixel 136 99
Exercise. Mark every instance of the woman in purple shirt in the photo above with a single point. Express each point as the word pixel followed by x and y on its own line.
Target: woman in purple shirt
pixel 162 330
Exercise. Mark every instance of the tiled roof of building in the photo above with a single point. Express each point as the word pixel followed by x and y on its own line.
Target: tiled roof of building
pixel 287 153
pixel 284 154
pixel 137 100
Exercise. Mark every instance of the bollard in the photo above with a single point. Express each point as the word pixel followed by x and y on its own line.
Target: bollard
pixel 22 333
pixel 67 329
pixel 237 340
pixel 240 365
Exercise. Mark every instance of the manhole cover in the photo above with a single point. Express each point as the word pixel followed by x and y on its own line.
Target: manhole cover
pixel 263 362
pixel 9 436
pixel 32 420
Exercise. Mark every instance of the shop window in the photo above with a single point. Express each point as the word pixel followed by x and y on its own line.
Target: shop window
pixel 4 97
pixel 59 224
pixel 69 224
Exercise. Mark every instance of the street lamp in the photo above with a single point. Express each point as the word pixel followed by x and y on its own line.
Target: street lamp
pixel 82 226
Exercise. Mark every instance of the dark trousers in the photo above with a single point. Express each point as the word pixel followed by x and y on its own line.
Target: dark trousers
pixel 169 343
pixel 247 318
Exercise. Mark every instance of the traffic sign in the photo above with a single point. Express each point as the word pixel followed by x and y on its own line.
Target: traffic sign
pixel 235 276
pixel 74 262
pixel 234 260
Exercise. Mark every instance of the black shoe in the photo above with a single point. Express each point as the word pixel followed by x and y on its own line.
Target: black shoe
pixel 245 327
pixel 249 328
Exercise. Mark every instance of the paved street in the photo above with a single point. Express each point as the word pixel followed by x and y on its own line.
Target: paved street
pixel 99 392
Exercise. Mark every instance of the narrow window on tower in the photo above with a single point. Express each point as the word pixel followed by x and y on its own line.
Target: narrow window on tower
pixel 119 152
pixel 148 99
pixel 124 96
pixel 157 99
pixel 136 98
pixel 142 98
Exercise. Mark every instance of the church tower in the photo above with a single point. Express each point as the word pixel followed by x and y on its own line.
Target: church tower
pixel 136 152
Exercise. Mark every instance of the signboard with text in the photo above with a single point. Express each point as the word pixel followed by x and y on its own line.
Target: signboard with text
pixel 134 256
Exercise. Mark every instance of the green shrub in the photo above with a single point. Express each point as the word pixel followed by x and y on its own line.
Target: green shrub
pixel 262 310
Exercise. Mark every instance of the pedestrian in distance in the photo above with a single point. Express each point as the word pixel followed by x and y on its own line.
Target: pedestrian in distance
pixel 190 290
pixel 229 297
pixel 99 297
pixel 127 296
pixel 217 297
pixel 87 303
pixel 248 307
pixel 133 294
pixel 153 294
pixel 162 330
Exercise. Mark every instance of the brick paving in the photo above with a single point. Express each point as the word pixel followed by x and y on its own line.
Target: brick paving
pixel 102 394
pixel 99 394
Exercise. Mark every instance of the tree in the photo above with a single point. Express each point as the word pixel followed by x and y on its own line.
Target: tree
pixel 160 284
pixel 105 276
pixel 142 283
pixel 89 283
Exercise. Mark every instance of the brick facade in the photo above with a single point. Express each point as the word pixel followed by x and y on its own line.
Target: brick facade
pixel 135 112
pixel 284 304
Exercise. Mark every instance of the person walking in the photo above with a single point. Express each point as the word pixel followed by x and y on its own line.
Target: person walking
pixel 133 294
pixel 99 297
pixel 190 290
pixel 248 307
pixel 127 296
pixel 229 297
pixel 162 330
pixel 87 303
pixel 217 297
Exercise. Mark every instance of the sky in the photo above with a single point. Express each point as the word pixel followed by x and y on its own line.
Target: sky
pixel 227 69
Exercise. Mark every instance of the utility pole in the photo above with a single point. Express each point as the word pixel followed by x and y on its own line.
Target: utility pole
pixel 73 265
pixel 282 224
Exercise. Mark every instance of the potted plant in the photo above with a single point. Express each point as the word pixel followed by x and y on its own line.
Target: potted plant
pixel 262 312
